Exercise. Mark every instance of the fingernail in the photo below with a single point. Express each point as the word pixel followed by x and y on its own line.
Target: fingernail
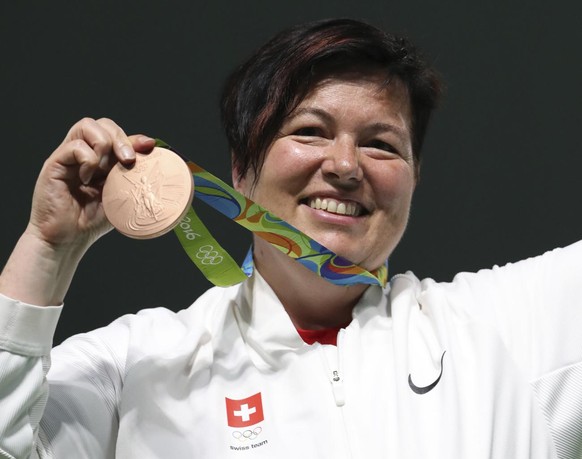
pixel 104 162
pixel 127 152
pixel 85 176
pixel 146 139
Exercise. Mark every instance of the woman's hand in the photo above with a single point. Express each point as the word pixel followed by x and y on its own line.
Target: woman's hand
pixel 67 215
pixel 66 207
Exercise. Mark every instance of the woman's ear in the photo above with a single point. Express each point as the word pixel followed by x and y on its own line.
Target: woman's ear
pixel 238 182
pixel 242 183
pixel 235 179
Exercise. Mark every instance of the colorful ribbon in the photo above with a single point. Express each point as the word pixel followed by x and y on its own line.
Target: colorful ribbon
pixel 220 268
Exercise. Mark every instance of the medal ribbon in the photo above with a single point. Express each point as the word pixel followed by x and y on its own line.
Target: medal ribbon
pixel 220 268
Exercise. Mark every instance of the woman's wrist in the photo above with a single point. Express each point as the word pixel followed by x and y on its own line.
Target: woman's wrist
pixel 40 273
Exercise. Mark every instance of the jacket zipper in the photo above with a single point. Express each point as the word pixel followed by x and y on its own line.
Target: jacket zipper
pixel 332 357
pixel 332 360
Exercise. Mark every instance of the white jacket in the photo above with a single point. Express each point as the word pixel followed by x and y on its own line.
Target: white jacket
pixel 498 353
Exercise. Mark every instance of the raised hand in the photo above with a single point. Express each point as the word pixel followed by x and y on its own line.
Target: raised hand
pixel 67 215
pixel 67 199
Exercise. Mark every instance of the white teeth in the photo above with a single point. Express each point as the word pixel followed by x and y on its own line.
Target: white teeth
pixel 335 207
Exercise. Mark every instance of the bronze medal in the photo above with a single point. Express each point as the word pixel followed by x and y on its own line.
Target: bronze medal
pixel 150 198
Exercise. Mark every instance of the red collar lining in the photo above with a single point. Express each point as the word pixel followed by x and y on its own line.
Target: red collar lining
pixel 322 336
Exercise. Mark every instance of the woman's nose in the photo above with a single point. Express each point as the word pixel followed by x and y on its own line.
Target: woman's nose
pixel 342 162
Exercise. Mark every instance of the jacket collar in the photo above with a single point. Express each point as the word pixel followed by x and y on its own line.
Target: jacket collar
pixel 268 330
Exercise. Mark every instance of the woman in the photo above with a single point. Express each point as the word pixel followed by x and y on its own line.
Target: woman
pixel 325 124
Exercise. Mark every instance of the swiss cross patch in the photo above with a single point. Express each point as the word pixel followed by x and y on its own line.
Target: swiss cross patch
pixel 245 412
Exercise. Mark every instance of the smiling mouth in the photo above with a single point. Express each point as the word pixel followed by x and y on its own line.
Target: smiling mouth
pixel 334 206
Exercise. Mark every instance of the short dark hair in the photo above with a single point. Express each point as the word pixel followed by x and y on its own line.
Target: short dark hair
pixel 265 89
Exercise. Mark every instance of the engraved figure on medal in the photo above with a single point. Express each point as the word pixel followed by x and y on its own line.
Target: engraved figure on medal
pixel 149 199
pixel 146 196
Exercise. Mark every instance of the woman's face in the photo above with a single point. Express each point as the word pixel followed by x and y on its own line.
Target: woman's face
pixel 341 169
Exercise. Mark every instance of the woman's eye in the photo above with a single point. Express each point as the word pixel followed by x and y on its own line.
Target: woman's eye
pixel 309 131
pixel 381 145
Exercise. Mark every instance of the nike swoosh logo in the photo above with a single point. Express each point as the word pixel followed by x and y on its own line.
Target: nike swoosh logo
pixel 425 389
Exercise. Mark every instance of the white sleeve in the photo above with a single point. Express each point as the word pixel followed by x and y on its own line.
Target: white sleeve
pixel 74 411
pixel 85 385
pixel 535 306
pixel 26 334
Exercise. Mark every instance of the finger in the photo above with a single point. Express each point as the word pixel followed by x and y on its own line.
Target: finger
pixel 81 155
pixel 120 143
pixel 109 142
pixel 106 138
pixel 94 134
pixel 139 142
pixel 142 143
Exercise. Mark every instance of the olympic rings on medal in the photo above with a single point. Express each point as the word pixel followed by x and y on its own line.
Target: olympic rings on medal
pixel 247 434
pixel 208 256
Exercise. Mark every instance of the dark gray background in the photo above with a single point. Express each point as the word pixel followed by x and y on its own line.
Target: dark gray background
pixel 500 178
